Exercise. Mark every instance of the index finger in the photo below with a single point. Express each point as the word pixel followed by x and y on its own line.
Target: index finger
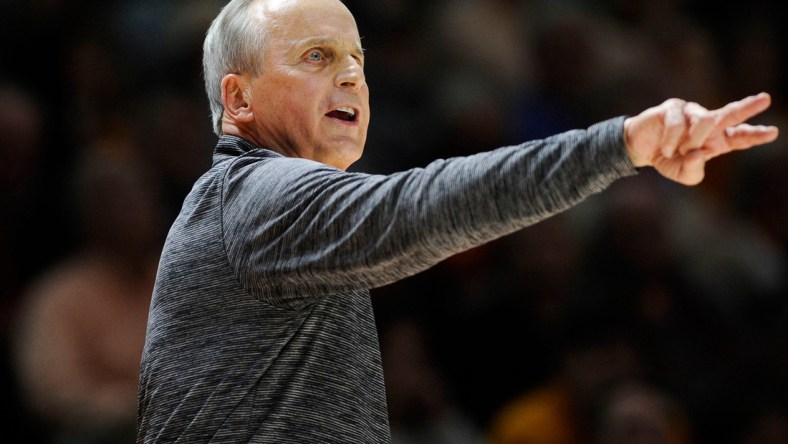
pixel 740 111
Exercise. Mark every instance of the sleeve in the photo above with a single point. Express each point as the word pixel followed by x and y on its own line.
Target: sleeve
pixel 297 229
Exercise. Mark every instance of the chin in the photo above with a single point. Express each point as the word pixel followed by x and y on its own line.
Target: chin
pixel 344 164
pixel 344 157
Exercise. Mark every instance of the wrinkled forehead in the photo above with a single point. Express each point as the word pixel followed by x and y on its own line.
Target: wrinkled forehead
pixel 302 19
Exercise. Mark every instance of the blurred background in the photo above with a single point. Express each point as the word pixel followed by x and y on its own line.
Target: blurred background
pixel 652 313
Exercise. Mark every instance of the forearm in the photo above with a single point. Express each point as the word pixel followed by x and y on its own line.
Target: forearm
pixel 491 194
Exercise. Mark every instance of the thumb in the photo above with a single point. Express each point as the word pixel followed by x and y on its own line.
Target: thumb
pixel 693 168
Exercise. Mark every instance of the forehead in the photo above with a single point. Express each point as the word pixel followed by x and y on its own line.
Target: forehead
pixel 292 21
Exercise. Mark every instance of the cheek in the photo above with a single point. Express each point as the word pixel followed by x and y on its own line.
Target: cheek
pixel 280 95
pixel 299 103
pixel 287 108
pixel 365 101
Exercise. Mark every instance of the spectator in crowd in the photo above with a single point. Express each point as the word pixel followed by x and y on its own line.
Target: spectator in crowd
pixel 82 325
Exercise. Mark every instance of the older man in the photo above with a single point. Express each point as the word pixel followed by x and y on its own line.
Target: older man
pixel 261 327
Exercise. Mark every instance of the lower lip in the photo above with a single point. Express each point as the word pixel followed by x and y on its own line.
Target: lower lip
pixel 344 122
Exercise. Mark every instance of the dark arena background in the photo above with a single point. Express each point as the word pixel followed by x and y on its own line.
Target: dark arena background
pixel 650 313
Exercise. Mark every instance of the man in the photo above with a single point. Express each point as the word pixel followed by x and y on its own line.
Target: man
pixel 261 327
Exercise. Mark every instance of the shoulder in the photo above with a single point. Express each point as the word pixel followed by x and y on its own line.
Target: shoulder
pixel 277 173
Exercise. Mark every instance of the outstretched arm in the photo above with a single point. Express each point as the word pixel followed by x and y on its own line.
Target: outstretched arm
pixel 677 138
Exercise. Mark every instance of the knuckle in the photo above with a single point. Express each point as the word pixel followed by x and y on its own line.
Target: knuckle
pixel 675 102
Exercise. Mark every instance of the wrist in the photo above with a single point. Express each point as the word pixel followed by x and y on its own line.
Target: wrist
pixel 637 160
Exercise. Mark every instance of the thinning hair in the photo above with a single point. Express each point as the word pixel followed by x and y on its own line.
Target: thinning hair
pixel 234 43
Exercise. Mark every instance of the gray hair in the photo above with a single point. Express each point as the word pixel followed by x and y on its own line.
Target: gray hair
pixel 234 43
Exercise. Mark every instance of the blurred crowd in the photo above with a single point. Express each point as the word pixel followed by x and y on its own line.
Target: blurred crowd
pixel 652 313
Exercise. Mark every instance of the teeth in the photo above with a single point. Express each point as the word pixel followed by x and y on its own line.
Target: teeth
pixel 350 111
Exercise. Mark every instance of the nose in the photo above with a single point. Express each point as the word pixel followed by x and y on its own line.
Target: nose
pixel 351 74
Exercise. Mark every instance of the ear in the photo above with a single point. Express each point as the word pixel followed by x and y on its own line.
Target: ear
pixel 236 105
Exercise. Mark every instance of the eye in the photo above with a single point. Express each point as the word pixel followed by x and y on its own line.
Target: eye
pixel 314 56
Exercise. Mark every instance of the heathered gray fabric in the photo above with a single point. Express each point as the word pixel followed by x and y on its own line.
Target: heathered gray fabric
pixel 261 326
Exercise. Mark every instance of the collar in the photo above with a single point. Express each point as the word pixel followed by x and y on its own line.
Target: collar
pixel 235 146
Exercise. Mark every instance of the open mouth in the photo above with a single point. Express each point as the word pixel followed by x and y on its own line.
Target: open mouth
pixel 345 114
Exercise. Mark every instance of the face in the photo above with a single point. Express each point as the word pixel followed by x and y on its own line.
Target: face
pixel 311 99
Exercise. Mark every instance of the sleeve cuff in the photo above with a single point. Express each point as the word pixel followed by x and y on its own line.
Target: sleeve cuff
pixel 607 142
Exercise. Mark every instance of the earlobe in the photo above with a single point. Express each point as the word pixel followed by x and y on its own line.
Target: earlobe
pixel 234 99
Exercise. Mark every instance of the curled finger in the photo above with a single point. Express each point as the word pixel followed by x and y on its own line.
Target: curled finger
pixel 701 123
pixel 675 125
